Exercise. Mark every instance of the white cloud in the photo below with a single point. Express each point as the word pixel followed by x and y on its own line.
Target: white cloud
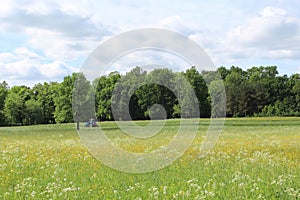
pixel 58 32
pixel 282 53
pixel 272 11
pixel 148 59
pixel 271 35
pixel 7 7
pixel 20 68
pixel 23 64
pixel 52 70
pixel 25 53
pixel 196 32
pixel 6 57
pixel 37 7
pixel 178 24
pixel 56 46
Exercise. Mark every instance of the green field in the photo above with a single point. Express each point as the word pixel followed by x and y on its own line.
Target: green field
pixel 255 158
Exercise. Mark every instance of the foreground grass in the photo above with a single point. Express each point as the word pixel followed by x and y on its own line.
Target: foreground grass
pixel 255 158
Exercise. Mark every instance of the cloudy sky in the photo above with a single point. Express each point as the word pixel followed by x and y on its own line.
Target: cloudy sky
pixel 47 40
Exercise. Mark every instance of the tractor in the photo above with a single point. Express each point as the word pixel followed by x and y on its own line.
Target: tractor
pixel 91 123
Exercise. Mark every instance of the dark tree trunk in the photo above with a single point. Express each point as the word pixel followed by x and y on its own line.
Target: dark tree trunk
pixel 77 125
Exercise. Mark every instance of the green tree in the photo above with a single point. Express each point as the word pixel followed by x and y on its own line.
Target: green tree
pixel 104 88
pixel 43 94
pixel 4 88
pixel 200 88
pixel 34 112
pixel 217 98
pixel 14 108
pixel 267 79
pixel 63 100
pixel 187 104
pixel 82 99
pixel 125 94
pixel 158 89
pixel 223 72
pixel 251 98
pixel 233 82
pixel 296 92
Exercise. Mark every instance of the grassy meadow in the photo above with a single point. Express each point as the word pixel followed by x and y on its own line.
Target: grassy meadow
pixel 255 158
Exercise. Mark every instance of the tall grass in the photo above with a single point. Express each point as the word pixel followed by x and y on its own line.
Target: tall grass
pixel 255 158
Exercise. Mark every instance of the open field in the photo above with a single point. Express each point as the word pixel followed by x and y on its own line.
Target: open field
pixel 255 158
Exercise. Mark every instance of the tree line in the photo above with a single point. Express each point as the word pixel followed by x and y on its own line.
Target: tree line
pixel 258 91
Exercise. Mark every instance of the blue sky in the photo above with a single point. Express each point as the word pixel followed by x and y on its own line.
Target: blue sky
pixel 47 40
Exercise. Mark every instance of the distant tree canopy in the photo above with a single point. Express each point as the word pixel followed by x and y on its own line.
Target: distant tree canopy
pixel 258 91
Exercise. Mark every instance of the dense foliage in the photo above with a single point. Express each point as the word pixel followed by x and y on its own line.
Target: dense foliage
pixel 258 91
